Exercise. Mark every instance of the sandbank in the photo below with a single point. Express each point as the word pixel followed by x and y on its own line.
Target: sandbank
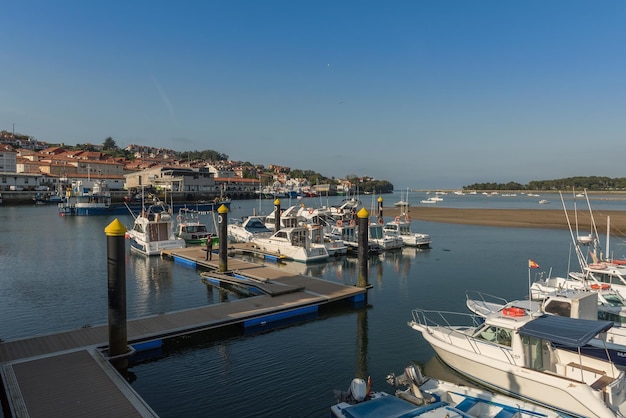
pixel 519 218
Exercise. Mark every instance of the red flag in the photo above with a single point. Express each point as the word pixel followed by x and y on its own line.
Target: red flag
pixel 532 265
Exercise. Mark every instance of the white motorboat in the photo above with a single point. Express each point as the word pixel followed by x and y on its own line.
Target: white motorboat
pixel 385 241
pixel 348 234
pixel 402 227
pixel 432 398
pixel 252 226
pixel 293 244
pixel 153 231
pixel 518 354
pixel 320 224
pixel 289 218
pixel 603 274
pixel 611 304
pixel 572 304
pixel 432 200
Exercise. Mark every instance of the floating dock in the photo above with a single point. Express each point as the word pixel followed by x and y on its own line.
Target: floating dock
pixel 67 374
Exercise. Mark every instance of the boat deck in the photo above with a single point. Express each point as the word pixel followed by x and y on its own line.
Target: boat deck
pixel 65 374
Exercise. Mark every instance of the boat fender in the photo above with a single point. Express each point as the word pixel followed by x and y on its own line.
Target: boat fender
pixel 380 221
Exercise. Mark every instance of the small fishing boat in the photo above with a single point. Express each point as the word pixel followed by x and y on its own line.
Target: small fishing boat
pixel 429 397
pixel 189 227
pixel 153 231
pixel 401 226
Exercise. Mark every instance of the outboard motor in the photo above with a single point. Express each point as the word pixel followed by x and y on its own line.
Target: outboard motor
pixel 358 391
pixel 413 378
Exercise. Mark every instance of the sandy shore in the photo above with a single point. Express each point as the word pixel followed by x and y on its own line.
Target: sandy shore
pixel 518 218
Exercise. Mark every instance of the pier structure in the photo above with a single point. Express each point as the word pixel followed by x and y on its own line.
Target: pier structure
pixel 68 373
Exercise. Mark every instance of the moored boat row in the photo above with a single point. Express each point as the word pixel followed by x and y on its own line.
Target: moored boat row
pixel 314 234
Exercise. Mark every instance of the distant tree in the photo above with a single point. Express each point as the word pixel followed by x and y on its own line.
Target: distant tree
pixel 109 144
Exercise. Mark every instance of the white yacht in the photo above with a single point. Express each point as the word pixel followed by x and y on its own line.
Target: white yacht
pixel 245 231
pixel 153 231
pixel 520 354
pixel 292 243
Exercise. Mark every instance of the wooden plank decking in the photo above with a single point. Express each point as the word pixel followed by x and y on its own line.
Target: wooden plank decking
pixel 64 374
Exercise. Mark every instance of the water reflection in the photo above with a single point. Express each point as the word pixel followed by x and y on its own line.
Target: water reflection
pixel 153 283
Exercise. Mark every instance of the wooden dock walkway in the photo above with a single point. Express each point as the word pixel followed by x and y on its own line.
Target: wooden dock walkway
pixel 66 374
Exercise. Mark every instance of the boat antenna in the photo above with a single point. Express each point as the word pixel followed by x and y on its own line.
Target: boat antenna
pixel 581 259
pixel 594 229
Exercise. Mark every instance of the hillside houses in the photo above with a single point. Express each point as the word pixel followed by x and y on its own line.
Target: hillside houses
pixel 38 166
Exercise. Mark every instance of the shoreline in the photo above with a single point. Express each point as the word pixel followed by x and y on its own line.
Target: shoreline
pixel 517 218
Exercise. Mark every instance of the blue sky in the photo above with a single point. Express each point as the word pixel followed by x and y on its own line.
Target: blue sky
pixel 425 94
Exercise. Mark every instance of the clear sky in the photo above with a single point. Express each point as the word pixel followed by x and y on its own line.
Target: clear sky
pixel 425 94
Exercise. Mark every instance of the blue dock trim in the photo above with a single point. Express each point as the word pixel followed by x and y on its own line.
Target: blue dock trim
pixel 357 299
pixel 262 320
pixel 185 261
pixel 147 345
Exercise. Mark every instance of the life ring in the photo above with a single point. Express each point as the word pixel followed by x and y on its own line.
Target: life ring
pixel 339 223
pixel 597 266
pixel 397 219
pixel 310 211
pixel 513 311
pixel 598 286
pixel 380 221
pixel 352 222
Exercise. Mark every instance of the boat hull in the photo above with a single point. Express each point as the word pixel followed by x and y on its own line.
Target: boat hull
pixel 499 372
pixel 102 209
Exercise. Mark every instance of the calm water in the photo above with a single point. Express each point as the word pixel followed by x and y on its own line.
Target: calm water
pixel 53 277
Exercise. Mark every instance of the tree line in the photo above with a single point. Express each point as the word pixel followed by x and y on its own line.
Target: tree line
pixel 592 183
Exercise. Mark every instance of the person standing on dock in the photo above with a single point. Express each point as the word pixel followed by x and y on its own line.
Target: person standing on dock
pixel 209 247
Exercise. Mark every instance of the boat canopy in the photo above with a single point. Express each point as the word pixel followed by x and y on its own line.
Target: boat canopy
pixel 563 330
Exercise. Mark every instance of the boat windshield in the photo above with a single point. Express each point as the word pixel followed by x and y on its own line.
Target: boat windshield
pixel 496 335
pixel 613 299
pixel 256 225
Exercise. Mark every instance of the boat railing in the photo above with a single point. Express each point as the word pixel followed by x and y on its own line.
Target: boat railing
pixel 459 324
pixel 455 321
pixel 484 299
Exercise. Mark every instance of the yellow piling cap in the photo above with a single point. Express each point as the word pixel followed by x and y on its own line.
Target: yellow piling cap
pixel 222 209
pixel 276 202
pixel 363 213
pixel 380 200
pixel 115 229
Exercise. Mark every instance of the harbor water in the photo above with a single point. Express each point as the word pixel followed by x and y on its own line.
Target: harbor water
pixel 53 277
